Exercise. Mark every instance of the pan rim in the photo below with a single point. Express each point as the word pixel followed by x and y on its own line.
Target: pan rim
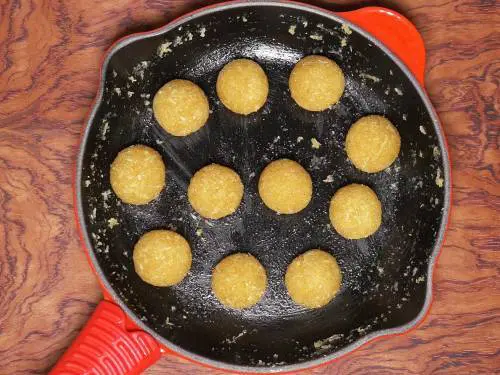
pixel 81 222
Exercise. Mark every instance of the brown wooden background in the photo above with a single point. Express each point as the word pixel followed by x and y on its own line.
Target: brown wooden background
pixel 50 52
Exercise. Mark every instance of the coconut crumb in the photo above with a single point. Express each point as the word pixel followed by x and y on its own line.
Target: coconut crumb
pixel 346 29
pixel 439 180
pixel 199 232
pixel 328 178
pixel 291 29
pixel 422 130
pixel 112 223
pixel 300 139
pixel 315 144
pixel 369 76
pixel 316 36
pixel 164 49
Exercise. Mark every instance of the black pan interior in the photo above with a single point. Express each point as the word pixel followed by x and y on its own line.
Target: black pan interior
pixel 385 275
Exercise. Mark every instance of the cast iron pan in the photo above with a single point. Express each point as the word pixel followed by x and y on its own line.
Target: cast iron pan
pixel 386 277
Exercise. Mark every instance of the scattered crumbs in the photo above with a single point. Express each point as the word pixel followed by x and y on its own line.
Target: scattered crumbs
pixel 305 23
pixel 394 186
pixel 168 323
pixel 387 90
pixel 189 36
pixel 420 154
pixel 202 31
pixel 276 139
pixel 435 152
pixel 396 286
pixel 147 96
pixel 147 103
pixel 184 317
pixel 421 279
pixel 118 91
pixel 132 79
pixel 105 129
pixel 158 142
pixel 414 271
pixel 275 356
pixel 316 36
pixel 390 72
pixel 322 27
pixel 346 29
pixel 380 270
pixel 105 194
pixel 114 73
pixel 164 49
pixel 343 42
pixel 93 214
pixel 112 223
pixel 439 180
pixel 369 76
pixel 139 69
pixel 436 201
pixel 251 175
pixel 398 306
pixel 87 183
pixel 422 130
pixel 300 139
pixel 234 338
pixel 177 41
pixel 328 178
pixel 199 232
pixel 316 162
pixel 398 91
pixel 404 116
pixel 324 344
pixel 315 144
pixel 173 308
pixel 130 93
pixel 291 29
pixel 244 19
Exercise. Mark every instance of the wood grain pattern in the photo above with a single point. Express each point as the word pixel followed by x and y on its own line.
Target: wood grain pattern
pixel 50 52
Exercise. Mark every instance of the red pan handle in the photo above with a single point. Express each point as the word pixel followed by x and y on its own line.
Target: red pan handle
pixel 106 346
pixel 396 32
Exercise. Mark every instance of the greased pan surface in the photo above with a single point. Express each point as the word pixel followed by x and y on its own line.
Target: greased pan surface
pixel 386 276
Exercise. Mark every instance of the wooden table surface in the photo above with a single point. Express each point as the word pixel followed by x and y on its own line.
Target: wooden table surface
pixel 50 52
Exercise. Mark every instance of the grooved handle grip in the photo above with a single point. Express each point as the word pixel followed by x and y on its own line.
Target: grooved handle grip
pixel 106 347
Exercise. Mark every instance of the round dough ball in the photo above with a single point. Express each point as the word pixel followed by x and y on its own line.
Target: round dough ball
pixel 355 211
pixel 215 191
pixel 137 174
pixel 162 258
pixel 285 186
pixel 316 83
pixel 313 278
pixel 239 281
pixel 372 143
pixel 180 107
pixel 242 86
